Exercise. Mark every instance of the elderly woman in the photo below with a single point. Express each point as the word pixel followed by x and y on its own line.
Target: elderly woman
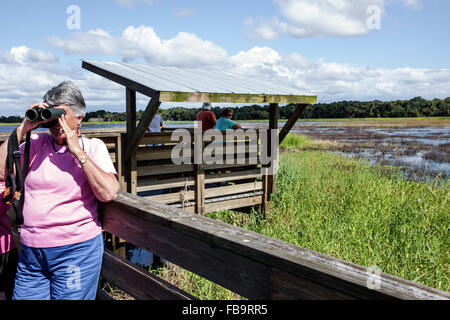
pixel 62 244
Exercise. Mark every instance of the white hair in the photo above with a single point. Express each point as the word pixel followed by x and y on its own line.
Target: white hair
pixel 66 93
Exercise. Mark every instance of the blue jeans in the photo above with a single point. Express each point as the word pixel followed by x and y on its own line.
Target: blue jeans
pixel 68 272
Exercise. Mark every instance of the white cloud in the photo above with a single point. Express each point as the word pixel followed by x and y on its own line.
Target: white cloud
pixel 142 43
pixel 133 3
pixel 185 49
pixel 413 4
pixel 26 74
pixel 91 42
pixel 315 18
pixel 26 56
pixel 338 81
pixel 321 18
pixel 184 12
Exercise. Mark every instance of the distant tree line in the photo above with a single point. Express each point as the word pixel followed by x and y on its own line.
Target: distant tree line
pixel 416 107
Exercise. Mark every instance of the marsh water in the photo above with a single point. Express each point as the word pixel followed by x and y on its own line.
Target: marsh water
pixel 423 151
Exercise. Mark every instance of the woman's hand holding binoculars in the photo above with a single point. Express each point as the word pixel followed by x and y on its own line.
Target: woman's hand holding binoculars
pixel 28 125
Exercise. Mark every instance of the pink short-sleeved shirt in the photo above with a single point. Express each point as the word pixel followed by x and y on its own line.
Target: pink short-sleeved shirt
pixel 6 238
pixel 60 207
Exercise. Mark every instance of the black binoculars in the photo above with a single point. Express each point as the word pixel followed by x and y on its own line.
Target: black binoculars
pixel 46 114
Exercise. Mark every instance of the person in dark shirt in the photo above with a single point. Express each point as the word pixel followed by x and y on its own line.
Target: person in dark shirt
pixel 206 117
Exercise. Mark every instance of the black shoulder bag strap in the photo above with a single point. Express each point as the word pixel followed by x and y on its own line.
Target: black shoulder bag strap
pixel 16 186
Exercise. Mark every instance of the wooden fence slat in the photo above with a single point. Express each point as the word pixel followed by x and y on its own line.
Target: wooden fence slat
pixel 164 169
pixel 137 282
pixel 286 286
pixel 209 192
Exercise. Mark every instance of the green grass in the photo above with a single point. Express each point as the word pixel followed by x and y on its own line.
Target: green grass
pixel 359 213
pixel 356 212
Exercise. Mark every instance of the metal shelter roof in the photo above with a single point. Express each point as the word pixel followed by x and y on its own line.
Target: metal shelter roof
pixel 172 84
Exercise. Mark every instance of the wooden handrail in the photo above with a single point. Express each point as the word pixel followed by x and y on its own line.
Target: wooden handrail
pixel 250 264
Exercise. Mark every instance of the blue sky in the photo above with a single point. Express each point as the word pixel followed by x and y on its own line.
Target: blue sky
pixel 322 46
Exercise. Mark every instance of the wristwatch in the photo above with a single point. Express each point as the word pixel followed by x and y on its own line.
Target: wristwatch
pixel 83 159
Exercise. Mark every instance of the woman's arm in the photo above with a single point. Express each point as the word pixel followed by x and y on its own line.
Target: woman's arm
pixel 104 184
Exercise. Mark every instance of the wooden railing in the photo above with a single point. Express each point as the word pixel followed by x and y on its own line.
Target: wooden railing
pixel 249 264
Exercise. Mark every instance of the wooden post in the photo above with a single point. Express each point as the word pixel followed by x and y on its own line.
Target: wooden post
pixel 119 162
pixel 268 180
pixel 129 169
pixel 199 193
pixel 273 125
pixel 130 166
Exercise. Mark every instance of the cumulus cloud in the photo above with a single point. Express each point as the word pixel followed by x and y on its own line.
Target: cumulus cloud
pixel 321 18
pixel 26 56
pixel 92 42
pixel 339 81
pixel 26 74
pixel 185 49
pixel 133 3
pixel 142 43
pixel 315 18
pixel 413 4
pixel 184 12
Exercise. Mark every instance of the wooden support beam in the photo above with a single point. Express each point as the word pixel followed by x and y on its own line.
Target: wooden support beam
pixel 119 162
pixel 199 193
pixel 146 119
pixel 169 96
pixel 273 125
pixel 131 165
pixel 268 180
pixel 292 120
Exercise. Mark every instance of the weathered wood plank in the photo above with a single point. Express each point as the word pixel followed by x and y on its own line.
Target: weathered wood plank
pixel 233 204
pixel 164 169
pixel 189 181
pixel 286 286
pixel 163 138
pixel 233 176
pixel 165 183
pixel 156 153
pixel 137 282
pixel 209 192
pixel 199 189
pixel 131 165
pixel 168 96
pixel 273 125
